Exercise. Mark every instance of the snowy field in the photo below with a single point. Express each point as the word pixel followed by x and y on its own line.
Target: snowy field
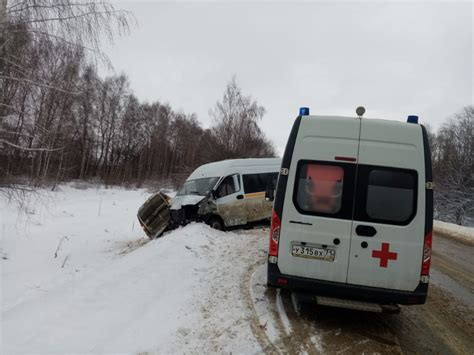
pixel 79 275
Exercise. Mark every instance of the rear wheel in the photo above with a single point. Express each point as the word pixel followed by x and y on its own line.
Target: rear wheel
pixel 216 223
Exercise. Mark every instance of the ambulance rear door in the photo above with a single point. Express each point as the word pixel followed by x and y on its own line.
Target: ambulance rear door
pixel 389 209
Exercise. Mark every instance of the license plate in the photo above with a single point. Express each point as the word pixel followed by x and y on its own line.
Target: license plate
pixel 304 251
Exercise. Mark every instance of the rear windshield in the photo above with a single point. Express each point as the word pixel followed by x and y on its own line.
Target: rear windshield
pixel 324 189
pixel 320 188
pixel 386 195
pixel 390 189
pixel 199 187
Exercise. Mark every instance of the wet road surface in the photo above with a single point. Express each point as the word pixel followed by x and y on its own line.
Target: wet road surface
pixel 444 325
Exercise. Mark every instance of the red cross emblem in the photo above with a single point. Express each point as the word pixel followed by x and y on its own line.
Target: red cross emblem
pixel 384 255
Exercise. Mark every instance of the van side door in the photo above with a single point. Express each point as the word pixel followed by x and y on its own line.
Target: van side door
pixel 389 214
pixel 229 201
pixel 255 185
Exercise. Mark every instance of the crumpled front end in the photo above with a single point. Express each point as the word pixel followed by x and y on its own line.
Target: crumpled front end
pixel 160 212
pixel 184 211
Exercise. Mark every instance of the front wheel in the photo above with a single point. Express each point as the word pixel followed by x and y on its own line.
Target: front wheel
pixel 216 223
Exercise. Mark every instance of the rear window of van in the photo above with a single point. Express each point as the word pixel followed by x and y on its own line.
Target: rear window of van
pixel 320 188
pixel 324 188
pixel 386 195
pixel 388 188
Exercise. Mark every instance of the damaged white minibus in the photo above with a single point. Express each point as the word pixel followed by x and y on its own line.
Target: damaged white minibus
pixel 222 194
pixel 353 212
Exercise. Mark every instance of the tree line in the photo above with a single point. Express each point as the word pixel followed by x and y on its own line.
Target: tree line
pixel 60 120
pixel 452 150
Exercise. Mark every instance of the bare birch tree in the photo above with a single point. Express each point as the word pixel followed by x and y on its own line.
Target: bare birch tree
pixel 236 128
pixel 42 45
pixel 453 165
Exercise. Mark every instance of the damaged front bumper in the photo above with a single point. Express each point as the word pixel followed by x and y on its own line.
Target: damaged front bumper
pixel 160 213
pixel 154 215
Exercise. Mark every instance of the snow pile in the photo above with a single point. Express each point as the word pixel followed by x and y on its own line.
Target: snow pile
pixel 79 276
pixel 462 234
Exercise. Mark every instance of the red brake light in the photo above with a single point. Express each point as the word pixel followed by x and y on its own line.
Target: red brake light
pixel 426 263
pixel 274 234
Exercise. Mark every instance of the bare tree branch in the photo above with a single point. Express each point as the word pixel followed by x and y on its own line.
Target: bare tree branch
pixel 41 84
pixel 30 149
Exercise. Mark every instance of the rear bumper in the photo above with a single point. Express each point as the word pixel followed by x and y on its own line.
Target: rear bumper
pixel 311 288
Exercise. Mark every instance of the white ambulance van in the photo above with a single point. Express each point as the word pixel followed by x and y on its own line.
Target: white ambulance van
pixel 353 212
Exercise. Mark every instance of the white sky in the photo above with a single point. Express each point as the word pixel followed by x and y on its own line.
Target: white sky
pixel 393 58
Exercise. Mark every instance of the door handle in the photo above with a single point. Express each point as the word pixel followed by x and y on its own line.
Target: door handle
pixel 240 197
pixel 365 231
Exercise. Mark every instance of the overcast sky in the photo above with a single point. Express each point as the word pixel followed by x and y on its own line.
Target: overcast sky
pixel 393 58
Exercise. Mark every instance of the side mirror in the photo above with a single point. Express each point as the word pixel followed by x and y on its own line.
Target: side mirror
pixel 269 194
pixel 214 194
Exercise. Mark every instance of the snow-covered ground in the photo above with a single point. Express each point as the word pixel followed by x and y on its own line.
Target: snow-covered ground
pixel 454 231
pixel 78 275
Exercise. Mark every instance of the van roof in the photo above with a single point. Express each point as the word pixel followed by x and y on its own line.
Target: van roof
pixel 381 142
pixel 230 166
pixel 382 121
pixel 375 129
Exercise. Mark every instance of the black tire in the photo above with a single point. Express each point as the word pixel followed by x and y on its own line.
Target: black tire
pixel 216 223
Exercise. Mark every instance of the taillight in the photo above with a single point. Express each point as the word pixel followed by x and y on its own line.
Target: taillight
pixel 274 235
pixel 425 266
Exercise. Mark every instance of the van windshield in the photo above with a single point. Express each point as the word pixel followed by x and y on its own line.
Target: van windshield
pixel 199 187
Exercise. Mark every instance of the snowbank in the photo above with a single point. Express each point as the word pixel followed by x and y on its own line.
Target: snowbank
pixel 461 234
pixel 79 276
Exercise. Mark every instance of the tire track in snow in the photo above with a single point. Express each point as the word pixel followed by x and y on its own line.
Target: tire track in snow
pixel 258 329
pixel 281 311
pixel 305 335
pixel 275 323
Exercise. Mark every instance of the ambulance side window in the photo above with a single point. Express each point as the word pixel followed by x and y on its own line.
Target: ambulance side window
pixel 386 195
pixel 324 189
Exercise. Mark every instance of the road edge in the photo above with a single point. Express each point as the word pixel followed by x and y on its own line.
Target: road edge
pixel 447 235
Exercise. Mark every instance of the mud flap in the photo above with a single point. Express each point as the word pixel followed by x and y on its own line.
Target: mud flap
pixel 154 215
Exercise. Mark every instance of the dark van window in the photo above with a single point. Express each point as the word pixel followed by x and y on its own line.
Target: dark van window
pixel 320 188
pixel 259 182
pixel 227 187
pixel 386 195
pixel 390 195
